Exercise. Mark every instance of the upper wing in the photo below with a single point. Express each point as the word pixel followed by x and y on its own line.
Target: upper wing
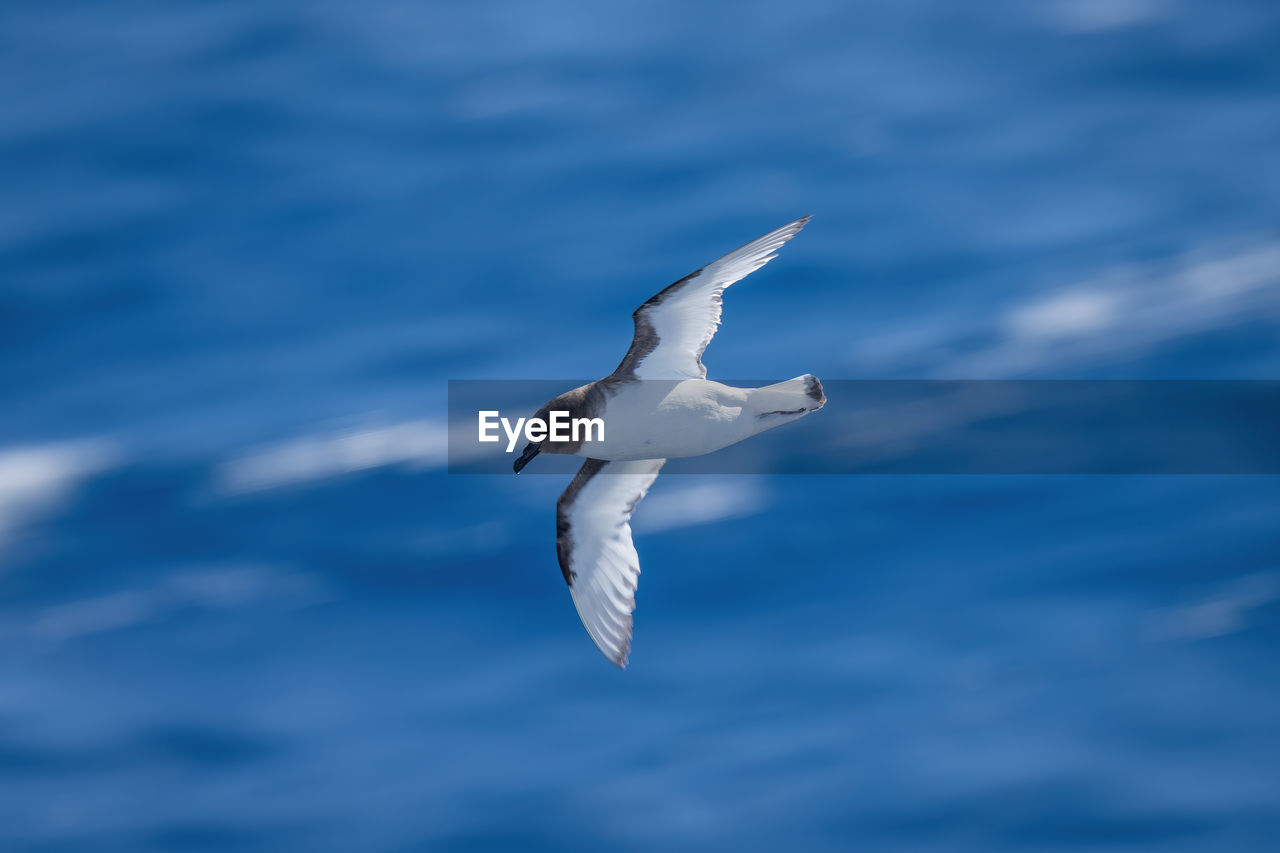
pixel 674 327
pixel 593 541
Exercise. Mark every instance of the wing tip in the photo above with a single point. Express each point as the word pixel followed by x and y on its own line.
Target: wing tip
pixel 786 232
pixel 620 656
pixel 795 225
pixel 624 654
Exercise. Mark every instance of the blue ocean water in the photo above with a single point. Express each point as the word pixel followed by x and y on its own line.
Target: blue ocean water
pixel 244 246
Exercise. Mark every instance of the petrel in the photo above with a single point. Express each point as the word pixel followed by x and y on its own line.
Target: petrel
pixel 657 405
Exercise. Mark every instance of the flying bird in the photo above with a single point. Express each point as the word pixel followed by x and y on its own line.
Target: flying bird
pixel 657 405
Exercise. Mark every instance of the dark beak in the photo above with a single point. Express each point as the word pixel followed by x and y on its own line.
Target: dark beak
pixel 530 450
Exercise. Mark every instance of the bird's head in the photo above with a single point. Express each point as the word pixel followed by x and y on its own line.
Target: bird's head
pixel 577 404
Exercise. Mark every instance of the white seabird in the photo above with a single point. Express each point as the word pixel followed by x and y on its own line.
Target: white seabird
pixel 657 405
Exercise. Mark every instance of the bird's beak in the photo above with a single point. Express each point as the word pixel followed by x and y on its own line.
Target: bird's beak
pixel 530 450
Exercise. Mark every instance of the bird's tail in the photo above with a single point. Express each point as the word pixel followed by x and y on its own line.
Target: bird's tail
pixel 797 396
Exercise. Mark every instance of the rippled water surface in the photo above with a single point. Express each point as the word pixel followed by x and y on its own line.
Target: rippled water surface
pixel 244 246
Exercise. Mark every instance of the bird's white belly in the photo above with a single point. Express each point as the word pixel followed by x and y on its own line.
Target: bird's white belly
pixel 673 419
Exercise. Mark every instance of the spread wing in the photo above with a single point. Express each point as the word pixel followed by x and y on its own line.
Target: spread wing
pixel 593 541
pixel 674 327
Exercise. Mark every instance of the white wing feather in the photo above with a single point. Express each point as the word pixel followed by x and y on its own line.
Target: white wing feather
pixel 674 327
pixel 593 540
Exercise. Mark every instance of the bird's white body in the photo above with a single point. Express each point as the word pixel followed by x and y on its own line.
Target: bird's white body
pixel 672 419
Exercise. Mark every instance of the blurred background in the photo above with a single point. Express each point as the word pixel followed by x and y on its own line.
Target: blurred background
pixel 244 245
